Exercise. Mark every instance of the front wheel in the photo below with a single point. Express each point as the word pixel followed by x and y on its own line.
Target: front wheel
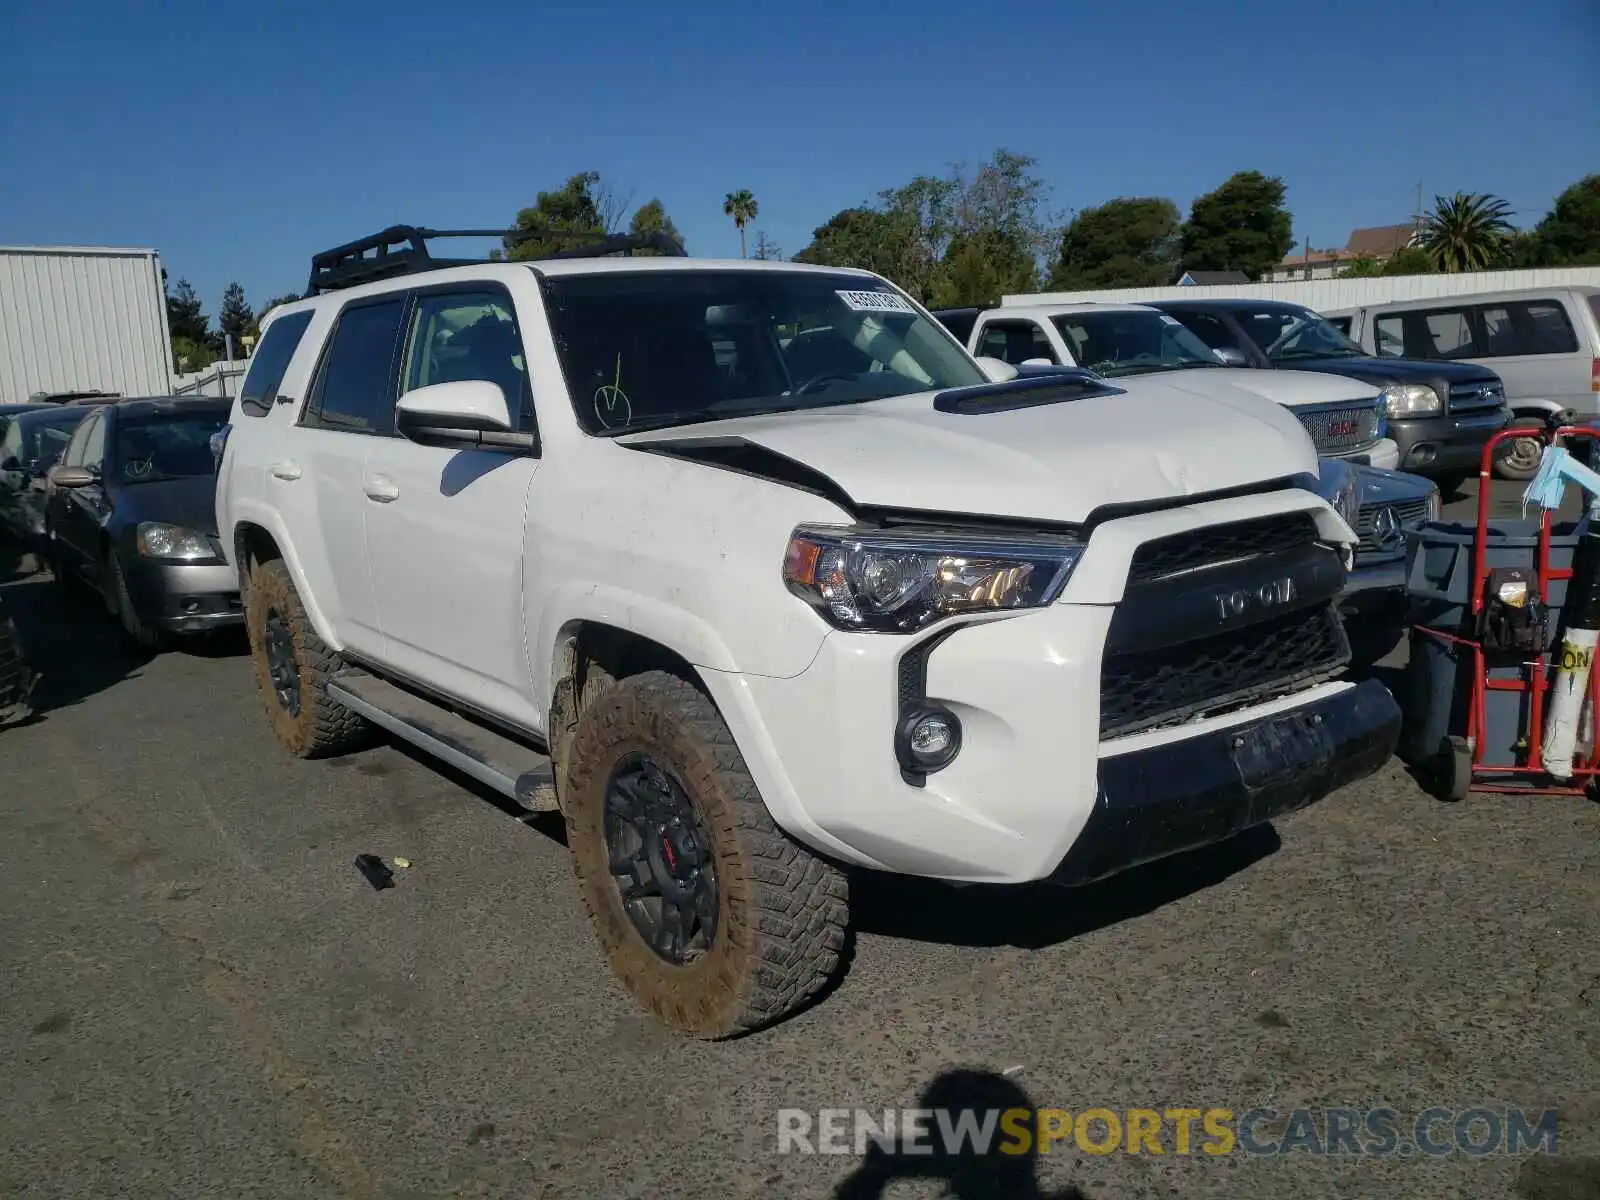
pixel 709 915
pixel 120 601
pixel 293 666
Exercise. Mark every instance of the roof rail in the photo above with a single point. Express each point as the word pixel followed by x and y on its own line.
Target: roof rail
pixel 403 250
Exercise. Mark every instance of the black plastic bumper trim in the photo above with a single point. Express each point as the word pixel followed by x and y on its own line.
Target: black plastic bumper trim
pixel 1202 790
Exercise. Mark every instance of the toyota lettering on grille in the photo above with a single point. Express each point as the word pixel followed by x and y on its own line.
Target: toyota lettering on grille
pixel 1239 601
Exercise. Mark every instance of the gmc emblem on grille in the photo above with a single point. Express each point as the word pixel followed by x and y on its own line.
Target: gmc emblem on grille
pixel 1240 601
pixel 1343 428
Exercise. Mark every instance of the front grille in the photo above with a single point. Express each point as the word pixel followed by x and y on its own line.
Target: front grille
pixel 1148 689
pixel 1483 395
pixel 1221 543
pixel 1341 429
pixel 1410 512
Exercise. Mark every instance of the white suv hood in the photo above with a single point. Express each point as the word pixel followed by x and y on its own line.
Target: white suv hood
pixel 1053 462
pixel 1290 388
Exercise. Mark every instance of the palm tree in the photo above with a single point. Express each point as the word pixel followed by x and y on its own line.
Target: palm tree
pixel 742 207
pixel 1467 232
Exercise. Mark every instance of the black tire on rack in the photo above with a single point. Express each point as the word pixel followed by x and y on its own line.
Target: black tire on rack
pixel 17 675
pixel 710 916
pixel 293 666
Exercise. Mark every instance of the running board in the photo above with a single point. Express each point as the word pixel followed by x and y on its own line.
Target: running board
pixel 510 768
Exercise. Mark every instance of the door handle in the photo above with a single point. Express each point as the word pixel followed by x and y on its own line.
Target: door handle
pixel 285 469
pixel 380 489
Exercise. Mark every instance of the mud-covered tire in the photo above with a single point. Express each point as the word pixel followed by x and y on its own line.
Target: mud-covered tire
pixel 120 601
pixel 782 911
pixel 320 727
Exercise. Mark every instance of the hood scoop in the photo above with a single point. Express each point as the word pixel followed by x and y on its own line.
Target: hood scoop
pixel 1029 391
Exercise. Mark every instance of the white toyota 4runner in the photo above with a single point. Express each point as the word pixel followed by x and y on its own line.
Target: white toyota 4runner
pixel 756 574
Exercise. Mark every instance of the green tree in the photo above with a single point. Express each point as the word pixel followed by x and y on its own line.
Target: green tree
pixel 235 318
pixel 191 355
pixel 651 217
pixel 1127 242
pixel 853 237
pixel 1409 260
pixel 1468 231
pixel 742 207
pixel 1569 235
pixel 1242 226
pixel 185 316
pixel 571 209
pixel 981 266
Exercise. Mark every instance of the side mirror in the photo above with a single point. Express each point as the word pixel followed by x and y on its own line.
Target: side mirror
pixel 1037 362
pixel 468 414
pixel 71 477
pixel 1230 357
pixel 996 369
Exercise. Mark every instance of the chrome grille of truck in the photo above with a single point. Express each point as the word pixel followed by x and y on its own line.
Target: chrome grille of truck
pixel 1479 396
pixel 1410 513
pixel 1340 428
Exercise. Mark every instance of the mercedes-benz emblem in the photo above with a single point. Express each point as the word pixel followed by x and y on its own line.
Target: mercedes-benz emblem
pixel 1387 530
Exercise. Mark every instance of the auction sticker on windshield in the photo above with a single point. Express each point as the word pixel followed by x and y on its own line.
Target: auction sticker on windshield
pixel 875 302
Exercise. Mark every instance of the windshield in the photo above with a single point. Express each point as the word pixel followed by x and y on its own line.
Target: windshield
pixel 151 449
pixel 648 349
pixel 1285 333
pixel 1132 342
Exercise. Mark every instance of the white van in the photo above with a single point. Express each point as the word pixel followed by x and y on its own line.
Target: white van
pixel 1544 343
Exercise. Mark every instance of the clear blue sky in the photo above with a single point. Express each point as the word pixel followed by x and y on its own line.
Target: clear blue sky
pixel 238 137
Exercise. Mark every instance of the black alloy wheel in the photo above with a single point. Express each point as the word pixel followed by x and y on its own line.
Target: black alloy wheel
pixel 661 860
pixel 281 664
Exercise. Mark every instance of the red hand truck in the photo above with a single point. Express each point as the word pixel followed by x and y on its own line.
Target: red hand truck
pixel 1465 771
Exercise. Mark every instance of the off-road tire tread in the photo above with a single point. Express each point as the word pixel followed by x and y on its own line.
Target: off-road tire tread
pixel 801 901
pixel 324 727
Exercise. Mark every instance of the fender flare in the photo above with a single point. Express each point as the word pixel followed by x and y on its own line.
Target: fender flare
pixel 267 518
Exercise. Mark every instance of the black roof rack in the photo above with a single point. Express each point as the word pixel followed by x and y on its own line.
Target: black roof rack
pixel 403 250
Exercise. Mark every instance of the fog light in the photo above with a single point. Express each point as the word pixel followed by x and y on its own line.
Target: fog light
pixel 928 739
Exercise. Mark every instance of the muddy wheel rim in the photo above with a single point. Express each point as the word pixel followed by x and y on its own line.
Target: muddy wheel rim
pixel 281 665
pixel 660 860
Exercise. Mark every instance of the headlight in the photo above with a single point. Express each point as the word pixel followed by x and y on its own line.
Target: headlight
pixel 1435 506
pixel 171 541
pixel 1411 400
pixel 889 582
pixel 1340 485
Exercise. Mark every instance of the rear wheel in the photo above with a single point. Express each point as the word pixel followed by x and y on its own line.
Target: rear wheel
pixel 711 918
pixel 293 666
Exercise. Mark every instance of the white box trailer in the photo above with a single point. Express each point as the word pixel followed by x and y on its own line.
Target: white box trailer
pixel 1326 295
pixel 82 318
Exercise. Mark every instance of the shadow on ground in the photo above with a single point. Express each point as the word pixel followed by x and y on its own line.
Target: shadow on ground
pixel 1033 916
pixel 994 1175
pixel 70 640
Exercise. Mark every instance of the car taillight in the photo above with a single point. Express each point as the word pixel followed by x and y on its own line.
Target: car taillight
pixel 1594 375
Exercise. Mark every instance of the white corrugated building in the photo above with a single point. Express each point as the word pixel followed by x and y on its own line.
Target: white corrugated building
pixel 1327 295
pixel 80 318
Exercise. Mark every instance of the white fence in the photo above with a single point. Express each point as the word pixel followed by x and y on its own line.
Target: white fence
pixel 1326 295
pixel 219 379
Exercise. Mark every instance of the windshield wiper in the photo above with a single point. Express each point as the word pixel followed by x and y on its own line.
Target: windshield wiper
pixel 710 418
pixel 1293 354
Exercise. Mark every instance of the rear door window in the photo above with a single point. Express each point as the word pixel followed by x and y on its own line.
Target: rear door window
pixel 1548 328
pixel 355 386
pixel 1450 333
pixel 270 361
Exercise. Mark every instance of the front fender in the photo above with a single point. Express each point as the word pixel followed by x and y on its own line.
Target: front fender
pixel 250 513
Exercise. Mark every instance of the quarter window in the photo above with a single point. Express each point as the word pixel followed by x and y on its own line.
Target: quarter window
pixel 94 447
pixel 270 361
pixel 469 335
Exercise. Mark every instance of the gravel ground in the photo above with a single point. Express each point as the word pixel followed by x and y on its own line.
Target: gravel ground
pixel 201 996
